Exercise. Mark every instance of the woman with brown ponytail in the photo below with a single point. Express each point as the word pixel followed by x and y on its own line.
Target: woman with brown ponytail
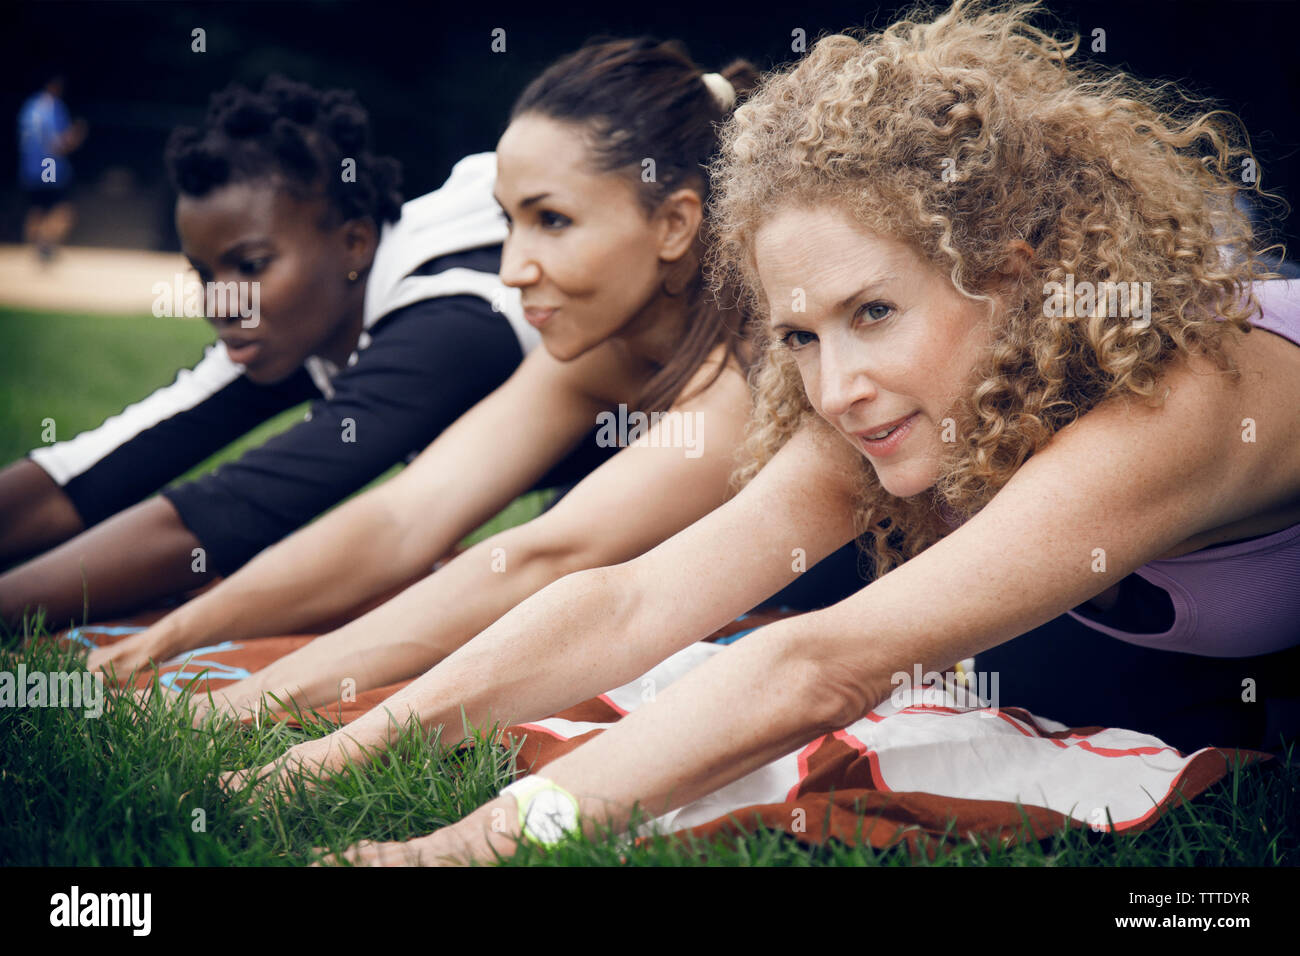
pixel 602 178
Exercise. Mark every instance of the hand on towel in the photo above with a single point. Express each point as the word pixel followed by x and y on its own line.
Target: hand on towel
pixel 135 653
pixel 208 702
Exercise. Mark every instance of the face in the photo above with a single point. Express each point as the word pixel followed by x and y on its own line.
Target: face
pixel 583 252
pixel 883 336
pixel 250 232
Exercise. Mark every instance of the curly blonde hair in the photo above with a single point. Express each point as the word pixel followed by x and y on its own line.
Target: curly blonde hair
pixel 960 133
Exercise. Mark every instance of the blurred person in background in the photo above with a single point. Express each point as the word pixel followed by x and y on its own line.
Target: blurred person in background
pixel 46 135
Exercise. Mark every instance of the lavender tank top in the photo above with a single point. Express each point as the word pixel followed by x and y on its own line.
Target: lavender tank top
pixel 1237 599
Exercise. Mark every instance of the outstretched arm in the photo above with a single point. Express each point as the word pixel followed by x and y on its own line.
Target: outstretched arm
pixel 137 555
pixel 84 494
pixel 640 497
pixel 599 628
pixel 1131 482
pixel 391 534
pixel 34 512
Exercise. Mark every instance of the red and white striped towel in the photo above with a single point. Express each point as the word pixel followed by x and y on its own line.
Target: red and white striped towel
pixel 923 764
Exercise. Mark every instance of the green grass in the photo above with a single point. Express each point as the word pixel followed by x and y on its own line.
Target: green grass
pixel 78 370
pixel 122 790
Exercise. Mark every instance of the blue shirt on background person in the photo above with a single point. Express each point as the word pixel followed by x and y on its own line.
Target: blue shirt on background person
pixel 42 121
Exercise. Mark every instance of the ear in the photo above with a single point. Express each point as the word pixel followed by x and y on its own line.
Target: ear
pixel 360 239
pixel 678 221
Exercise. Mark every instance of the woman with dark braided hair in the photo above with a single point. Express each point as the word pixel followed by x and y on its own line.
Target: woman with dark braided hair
pixel 279 195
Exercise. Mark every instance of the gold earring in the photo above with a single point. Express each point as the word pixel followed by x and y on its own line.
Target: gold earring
pixel 352 276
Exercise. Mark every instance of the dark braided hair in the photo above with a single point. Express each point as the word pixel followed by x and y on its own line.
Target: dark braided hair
pixel 292 131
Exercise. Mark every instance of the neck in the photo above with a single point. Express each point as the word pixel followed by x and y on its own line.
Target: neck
pixel 342 342
pixel 655 333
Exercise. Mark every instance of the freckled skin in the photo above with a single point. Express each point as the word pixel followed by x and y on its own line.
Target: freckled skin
pixel 908 344
pixel 247 232
pixel 588 249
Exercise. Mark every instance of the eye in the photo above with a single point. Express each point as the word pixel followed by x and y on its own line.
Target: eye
pixel 790 342
pixel 877 311
pixel 250 267
pixel 553 220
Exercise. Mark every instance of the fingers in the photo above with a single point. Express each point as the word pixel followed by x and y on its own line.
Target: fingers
pixel 234 779
pixel 261 783
pixel 374 853
pixel 282 776
pixel 124 657
pixel 209 701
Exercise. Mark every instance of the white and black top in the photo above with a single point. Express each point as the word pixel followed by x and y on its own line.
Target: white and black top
pixel 440 333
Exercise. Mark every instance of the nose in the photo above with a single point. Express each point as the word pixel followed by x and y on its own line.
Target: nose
pixel 844 378
pixel 221 296
pixel 519 267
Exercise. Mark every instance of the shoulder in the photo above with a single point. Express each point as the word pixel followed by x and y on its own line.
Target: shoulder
pixel 718 382
pixel 413 318
pixel 443 324
pixel 455 337
pixel 1198 443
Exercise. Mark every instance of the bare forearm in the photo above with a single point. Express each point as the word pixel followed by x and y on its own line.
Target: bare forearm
pixel 579 637
pixel 138 556
pixel 35 514
pixel 570 641
pixel 412 632
pixel 308 581
pixel 752 703
pixel 600 628
pixel 749 705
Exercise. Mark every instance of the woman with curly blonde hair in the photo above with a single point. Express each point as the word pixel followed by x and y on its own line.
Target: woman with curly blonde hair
pixel 1007 308
pixel 970 140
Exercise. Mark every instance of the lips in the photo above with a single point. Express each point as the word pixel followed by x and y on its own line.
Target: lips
pixel 537 316
pixel 897 434
pixel 876 430
pixel 242 351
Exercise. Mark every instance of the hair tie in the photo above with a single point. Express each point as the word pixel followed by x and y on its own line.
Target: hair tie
pixel 724 94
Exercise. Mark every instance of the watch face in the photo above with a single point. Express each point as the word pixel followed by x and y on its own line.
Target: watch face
pixel 550 817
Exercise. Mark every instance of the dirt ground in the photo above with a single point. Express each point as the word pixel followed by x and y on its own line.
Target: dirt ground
pixel 80 279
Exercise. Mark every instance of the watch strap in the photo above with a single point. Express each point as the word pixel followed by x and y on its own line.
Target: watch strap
pixel 525 791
